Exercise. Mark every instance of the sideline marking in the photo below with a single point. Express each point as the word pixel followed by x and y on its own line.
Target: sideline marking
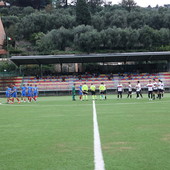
pixel 98 156
pixel 71 105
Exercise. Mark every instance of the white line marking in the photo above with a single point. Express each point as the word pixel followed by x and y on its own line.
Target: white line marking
pixel 98 156
pixel 82 104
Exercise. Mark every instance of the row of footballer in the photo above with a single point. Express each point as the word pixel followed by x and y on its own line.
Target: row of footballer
pixel 155 90
pixel 28 93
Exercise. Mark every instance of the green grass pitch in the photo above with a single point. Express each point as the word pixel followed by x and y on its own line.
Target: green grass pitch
pixel 57 134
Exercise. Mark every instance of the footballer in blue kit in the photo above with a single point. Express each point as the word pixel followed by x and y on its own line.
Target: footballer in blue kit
pixel 80 92
pixel 35 93
pixel 8 94
pixel 23 93
pixel 14 93
pixel 30 92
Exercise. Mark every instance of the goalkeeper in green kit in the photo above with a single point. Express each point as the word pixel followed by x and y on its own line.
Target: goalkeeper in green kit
pixel 73 92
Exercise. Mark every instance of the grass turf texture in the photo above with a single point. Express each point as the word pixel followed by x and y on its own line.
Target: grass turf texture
pixel 57 134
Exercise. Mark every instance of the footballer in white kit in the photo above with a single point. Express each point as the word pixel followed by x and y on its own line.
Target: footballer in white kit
pixel 138 90
pixel 160 89
pixel 129 90
pixel 150 90
pixel 119 90
pixel 155 89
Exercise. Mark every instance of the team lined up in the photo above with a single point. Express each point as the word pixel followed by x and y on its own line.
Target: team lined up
pixel 155 90
pixel 28 93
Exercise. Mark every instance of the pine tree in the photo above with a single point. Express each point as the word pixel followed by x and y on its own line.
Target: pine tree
pixel 128 4
pixel 82 13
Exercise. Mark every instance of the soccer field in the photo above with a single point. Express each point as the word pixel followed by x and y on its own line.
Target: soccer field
pixel 57 134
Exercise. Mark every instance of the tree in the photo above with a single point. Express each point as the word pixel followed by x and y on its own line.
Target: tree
pixel 30 24
pixel 128 4
pixel 59 3
pixel 110 38
pixel 135 19
pixel 36 37
pixel 124 37
pixel 82 29
pixel 9 20
pixel 33 3
pixel 165 36
pixel 86 38
pixel 146 36
pixel 156 21
pixel 166 20
pixel 88 41
pixel 94 4
pixel 107 27
pixel 55 40
pixel 118 19
pixel 133 39
pixel 82 13
pixel 15 10
pixel 7 65
pixel 97 22
pixel 28 10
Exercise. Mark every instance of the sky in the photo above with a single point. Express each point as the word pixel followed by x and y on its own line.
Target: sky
pixel 146 3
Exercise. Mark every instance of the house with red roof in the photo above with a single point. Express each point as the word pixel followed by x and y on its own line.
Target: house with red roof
pixel 2 38
pixel 4 4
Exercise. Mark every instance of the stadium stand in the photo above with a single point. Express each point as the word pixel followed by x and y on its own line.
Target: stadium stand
pixel 65 82
pixel 6 81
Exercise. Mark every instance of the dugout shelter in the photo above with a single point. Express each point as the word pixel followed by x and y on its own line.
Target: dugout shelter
pixel 56 85
pixel 93 58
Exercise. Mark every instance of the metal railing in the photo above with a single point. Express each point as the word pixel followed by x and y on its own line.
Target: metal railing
pixel 10 74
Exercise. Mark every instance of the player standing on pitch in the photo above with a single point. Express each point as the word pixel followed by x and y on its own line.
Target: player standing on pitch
pixel 102 89
pixel 35 93
pixel 85 91
pixel 129 90
pixel 8 94
pixel 73 92
pixel 138 90
pixel 105 91
pixel 23 93
pixel 14 93
pixel 93 91
pixel 150 90
pixel 160 89
pixel 155 89
pixel 119 90
pixel 30 93
pixel 80 92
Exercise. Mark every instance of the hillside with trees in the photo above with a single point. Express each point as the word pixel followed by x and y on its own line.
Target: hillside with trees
pixel 45 27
